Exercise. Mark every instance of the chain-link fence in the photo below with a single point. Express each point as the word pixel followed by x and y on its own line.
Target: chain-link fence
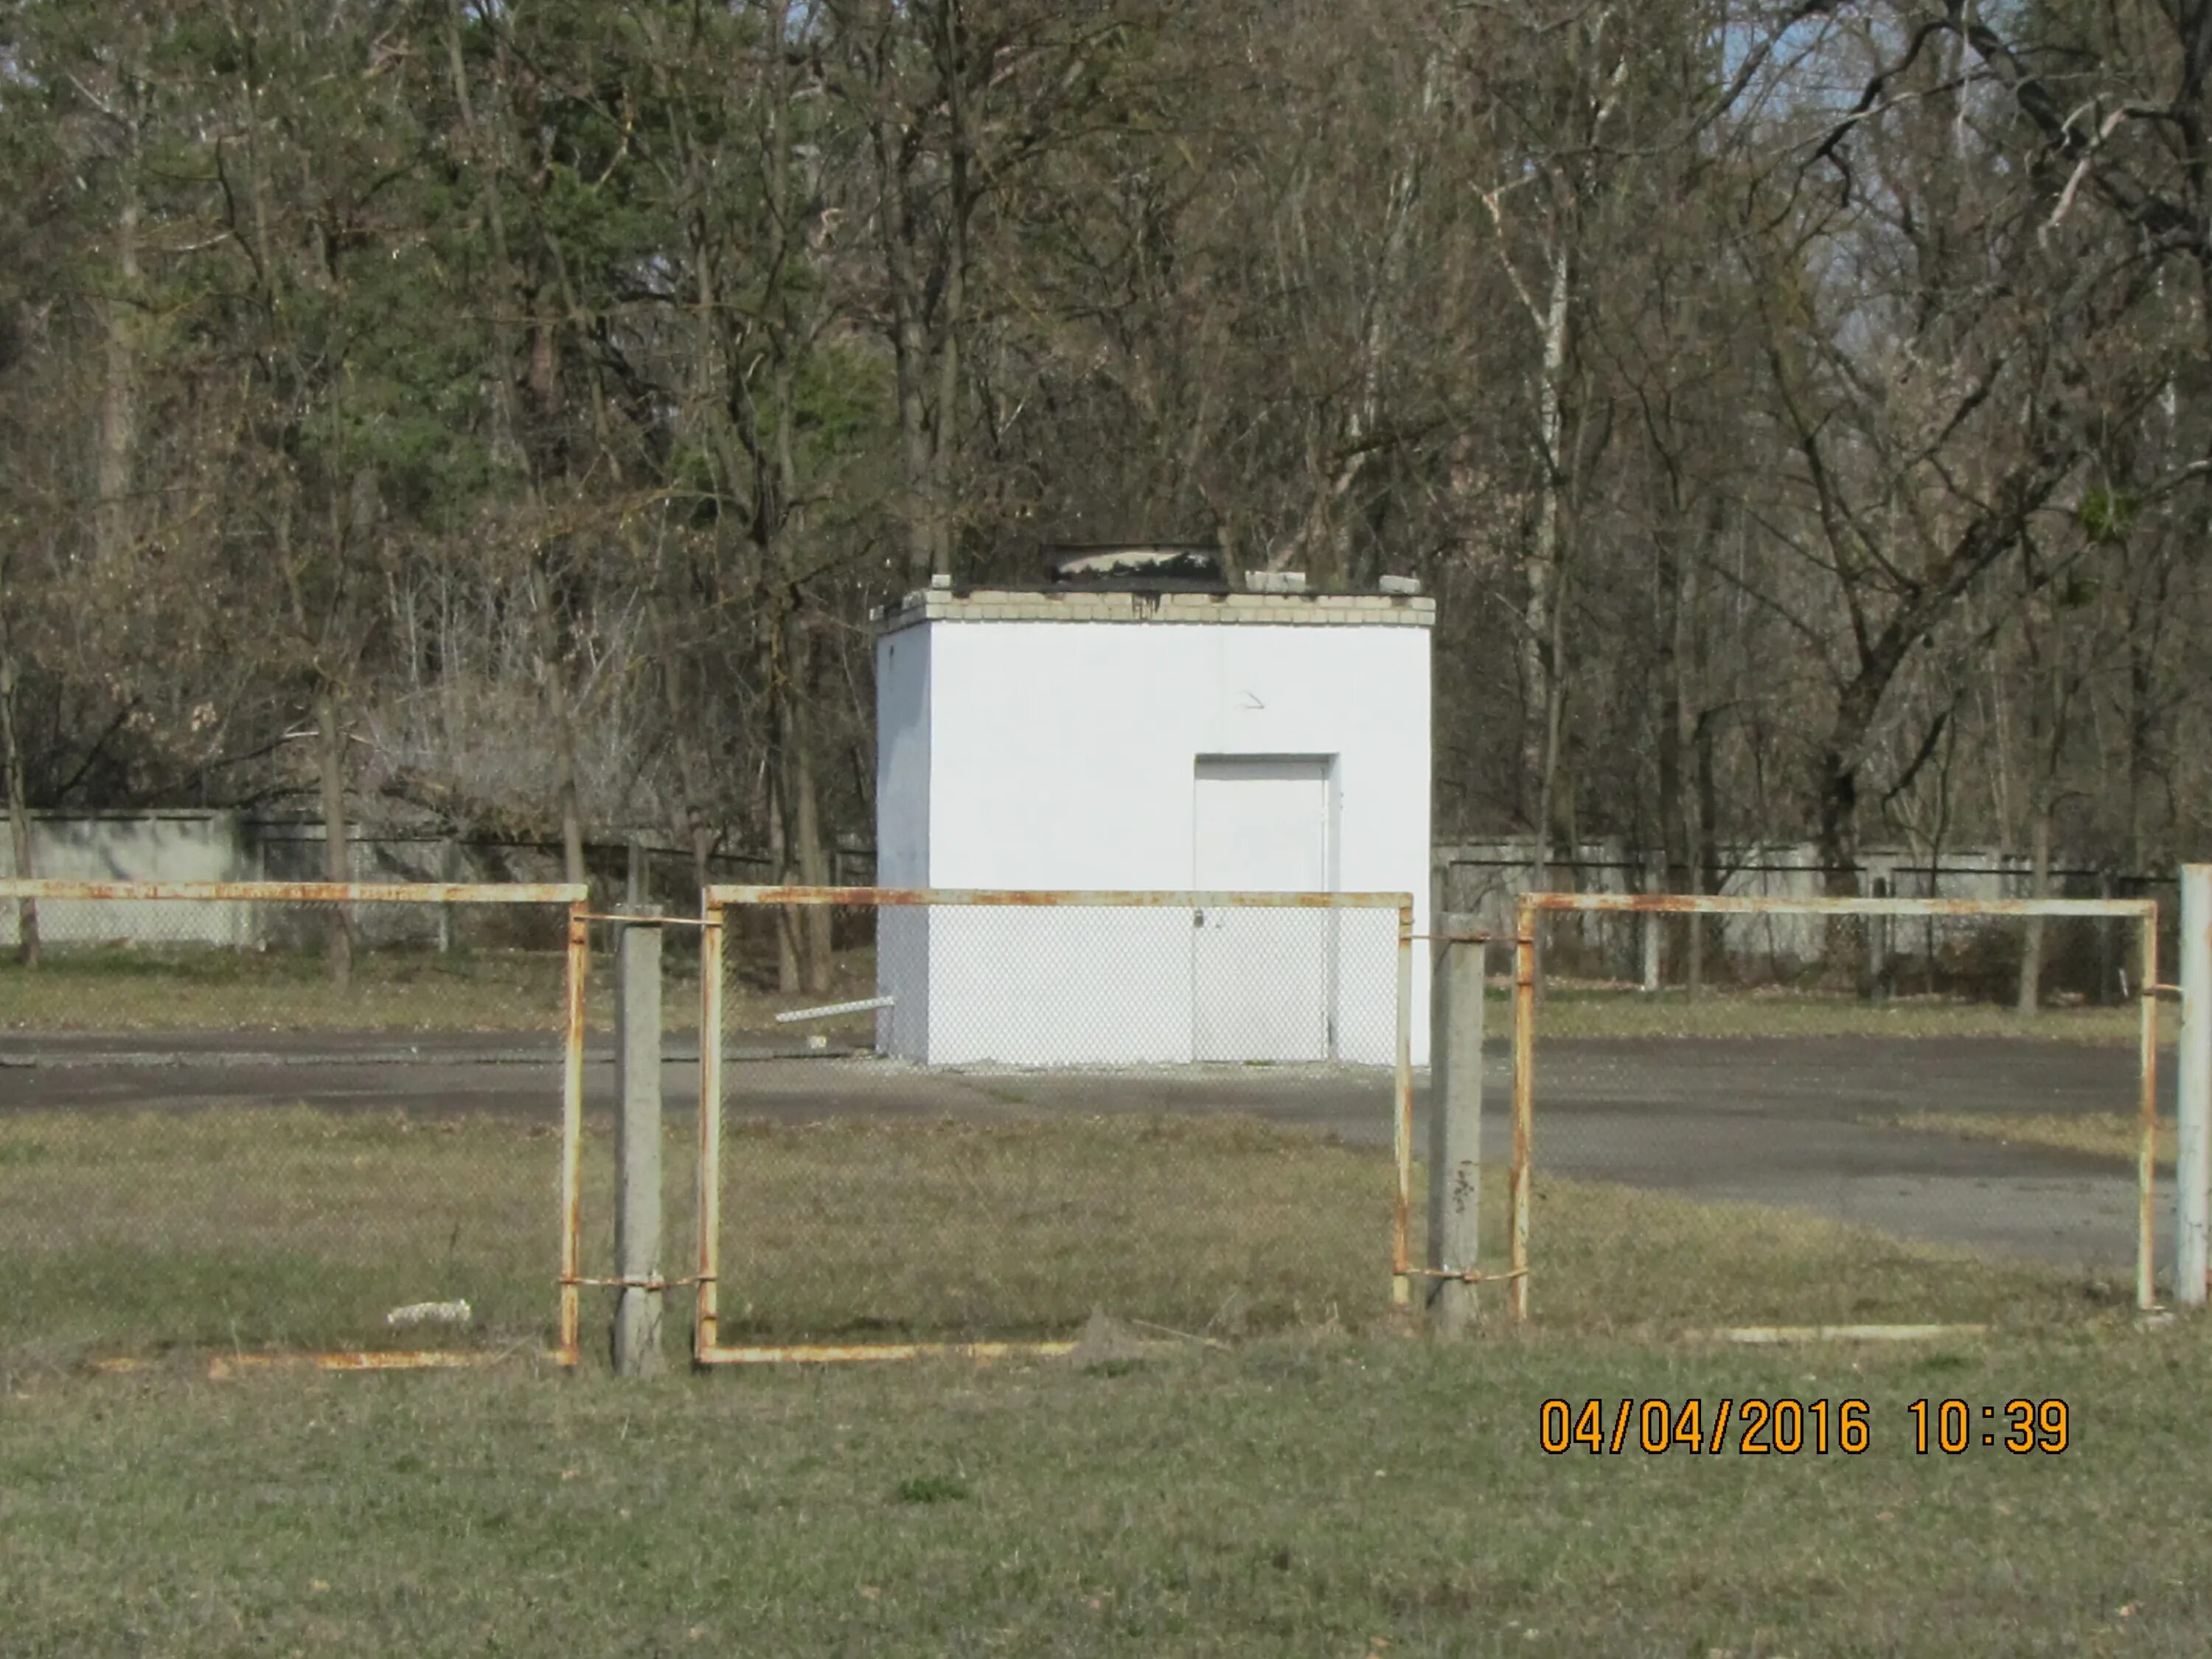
pixel 256 1118
pixel 1797 1113
pixel 944 1117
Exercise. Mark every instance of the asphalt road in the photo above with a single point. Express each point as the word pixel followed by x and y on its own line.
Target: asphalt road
pixel 1781 1121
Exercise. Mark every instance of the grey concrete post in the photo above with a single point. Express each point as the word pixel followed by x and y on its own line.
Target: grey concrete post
pixel 448 857
pixel 1655 881
pixel 2192 1165
pixel 1455 1120
pixel 637 1146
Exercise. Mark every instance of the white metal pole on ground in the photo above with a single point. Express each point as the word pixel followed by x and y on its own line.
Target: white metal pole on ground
pixel 2192 1166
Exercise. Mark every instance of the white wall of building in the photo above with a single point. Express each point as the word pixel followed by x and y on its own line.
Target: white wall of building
pixel 1064 755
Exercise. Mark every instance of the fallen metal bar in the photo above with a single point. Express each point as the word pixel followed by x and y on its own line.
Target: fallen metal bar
pixel 807 1353
pixel 835 1009
pixel 222 1367
pixel 644 920
pixel 298 892
pixel 1764 1335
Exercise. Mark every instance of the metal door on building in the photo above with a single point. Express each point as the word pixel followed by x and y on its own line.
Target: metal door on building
pixel 1261 979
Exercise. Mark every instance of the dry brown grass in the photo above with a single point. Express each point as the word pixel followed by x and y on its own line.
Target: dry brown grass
pixel 295 1228
pixel 2116 1135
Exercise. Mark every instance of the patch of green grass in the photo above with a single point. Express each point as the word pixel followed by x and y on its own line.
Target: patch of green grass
pixel 112 988
pixel 206 988
pixel 257 1229
pixel 260 1227
pixel 1312 1494
pixel 2116 1135
pixel 933 1489
pixel 1620 1012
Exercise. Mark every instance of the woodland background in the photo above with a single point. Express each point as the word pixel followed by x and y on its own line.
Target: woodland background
pixel 499 416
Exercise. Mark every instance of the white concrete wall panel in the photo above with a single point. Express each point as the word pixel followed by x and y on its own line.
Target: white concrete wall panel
pixel 1063 755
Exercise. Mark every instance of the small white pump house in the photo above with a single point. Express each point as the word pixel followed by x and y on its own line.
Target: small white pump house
pixel 1127 732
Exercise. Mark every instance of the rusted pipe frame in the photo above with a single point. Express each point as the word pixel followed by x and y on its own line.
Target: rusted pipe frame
pixel 644 921
pixel 577 966
pixel 708 1176
pixel 633 1284
pixel 816 1353
pixel 1767 1335
pixel 1048 898
pixel 297 892
pixel 1704 904
pixel 1471 1276
pixel 223 1366
pixel 1401 1118
pixel 714 899
pixel 2147 1148
pixel 573 893
pixel 1524 1100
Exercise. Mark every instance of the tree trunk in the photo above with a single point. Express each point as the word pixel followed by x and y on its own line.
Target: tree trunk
pixel 703 847
pixel 117 464
pixel 564 778
pixel 2031 946
pixel 1542 636
pixel 909 348
pixel 19 815
pixel 807 928
pixel 337 863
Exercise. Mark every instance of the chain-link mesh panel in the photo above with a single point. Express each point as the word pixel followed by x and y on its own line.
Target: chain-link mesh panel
pixel 1783 1116
pixel 955 1122
pixel 252 1123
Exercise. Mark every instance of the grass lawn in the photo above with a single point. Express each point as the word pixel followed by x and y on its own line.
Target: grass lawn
pixel 2117 1135
pixel 1314 1493
pixel 253 1228
pixel 1570 1011
pixel 115 988
pixel 147 988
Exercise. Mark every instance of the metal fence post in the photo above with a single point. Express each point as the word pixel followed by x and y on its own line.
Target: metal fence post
pixel 2192 1165
pixel 1525 1099
pixel 637 1146
pixel 1401 1252
pixel 579 959
pixel 1455 1120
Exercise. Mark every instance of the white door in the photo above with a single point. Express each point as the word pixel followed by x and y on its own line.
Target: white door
pixel 1260 978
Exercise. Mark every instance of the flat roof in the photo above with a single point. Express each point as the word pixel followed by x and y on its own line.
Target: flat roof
pixel 1095 604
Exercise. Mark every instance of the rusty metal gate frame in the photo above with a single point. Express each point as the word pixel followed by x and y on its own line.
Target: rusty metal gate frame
pixel 707 1348
pixel 567 1348
pixel 1525 970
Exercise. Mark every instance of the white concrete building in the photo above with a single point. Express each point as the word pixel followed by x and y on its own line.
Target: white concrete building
pixel 1203 741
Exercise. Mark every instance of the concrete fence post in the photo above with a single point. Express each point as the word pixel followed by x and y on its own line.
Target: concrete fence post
pixel 1653 924
pixel 637 1144
pixel 448 861
pixel 2192 1165
pixel 1455 1120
